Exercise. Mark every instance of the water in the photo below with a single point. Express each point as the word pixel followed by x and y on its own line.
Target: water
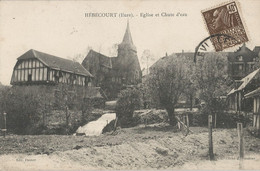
pixel 94 128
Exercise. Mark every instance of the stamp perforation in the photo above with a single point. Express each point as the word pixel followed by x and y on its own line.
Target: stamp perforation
pixel 239 11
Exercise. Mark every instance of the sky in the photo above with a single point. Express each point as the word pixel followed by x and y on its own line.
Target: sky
pixel 61 28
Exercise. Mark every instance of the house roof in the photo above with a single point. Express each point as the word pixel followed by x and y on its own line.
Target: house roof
pixel 253 93
pixel 189 55
pixel 164 60
pixel 247 54
pixel 55 62
pixel 256 49
pixel 245 81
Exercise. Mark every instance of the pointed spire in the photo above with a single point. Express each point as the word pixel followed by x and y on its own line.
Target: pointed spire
pixel 127 37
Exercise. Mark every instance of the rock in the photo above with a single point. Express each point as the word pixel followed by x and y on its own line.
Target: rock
pixel 46 152
pixel 222 142
pixel 77 147
pixel 162 151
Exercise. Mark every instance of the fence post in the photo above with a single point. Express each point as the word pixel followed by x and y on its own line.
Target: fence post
pixel 215 123
pixel 211 154
pixel 241 140
pixel 4 130
pixel 184 118
pixel 187 120
pixel 241 144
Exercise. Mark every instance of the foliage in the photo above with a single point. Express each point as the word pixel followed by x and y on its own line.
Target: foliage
pixel 211 78
pixel 129 100
pixel 168 81
pixel 24 108
pixel 147 59
pixel 254 131
pixel 29 108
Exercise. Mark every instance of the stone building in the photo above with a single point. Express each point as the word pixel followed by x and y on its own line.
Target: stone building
pixel 114 73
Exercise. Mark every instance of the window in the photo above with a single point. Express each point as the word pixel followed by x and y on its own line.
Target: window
pixel 240 67
pixel 240 58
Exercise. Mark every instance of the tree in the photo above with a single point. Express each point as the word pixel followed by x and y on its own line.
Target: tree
pixel 79 57
pixel 168 80
pixel 129 100
pixel 113 50
pixel 211 79
pixel 147 59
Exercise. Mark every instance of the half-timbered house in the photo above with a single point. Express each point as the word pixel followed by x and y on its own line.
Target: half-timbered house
pixel 35 67
pixel 236 97
pixel 255 95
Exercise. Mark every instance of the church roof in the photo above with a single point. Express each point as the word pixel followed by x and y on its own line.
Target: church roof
pixel 127 40
pixel 103 60
pixel 55 62
pixel 127 37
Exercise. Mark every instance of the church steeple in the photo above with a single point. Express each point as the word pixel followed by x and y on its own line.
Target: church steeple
pixel 127 40
pixel 127 37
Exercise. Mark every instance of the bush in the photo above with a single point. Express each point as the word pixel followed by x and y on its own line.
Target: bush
pixel 25 108
pixel 254 132
pixel 129 100
pixel 224 119
pixel 30 109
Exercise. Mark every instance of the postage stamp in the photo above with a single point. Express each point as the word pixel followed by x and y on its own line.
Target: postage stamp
pixel 225 19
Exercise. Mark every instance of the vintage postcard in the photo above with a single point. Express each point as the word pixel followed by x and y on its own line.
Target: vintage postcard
pixel 130 85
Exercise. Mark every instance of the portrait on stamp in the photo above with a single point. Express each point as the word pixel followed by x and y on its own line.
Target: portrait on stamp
pixel 225 19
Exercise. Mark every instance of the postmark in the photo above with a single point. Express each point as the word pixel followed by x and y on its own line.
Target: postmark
pixel 204 46
pixel 225 19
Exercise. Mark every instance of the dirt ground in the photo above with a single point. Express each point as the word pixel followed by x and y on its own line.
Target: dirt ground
pixel 152 147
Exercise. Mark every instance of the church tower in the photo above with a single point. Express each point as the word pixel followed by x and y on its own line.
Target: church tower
pixel 128 61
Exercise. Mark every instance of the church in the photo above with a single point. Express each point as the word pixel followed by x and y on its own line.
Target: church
pixel 115 73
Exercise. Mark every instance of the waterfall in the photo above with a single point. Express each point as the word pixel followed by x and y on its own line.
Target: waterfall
pixel 94 128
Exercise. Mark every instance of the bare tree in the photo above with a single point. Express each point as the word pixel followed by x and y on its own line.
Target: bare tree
pixel 79 57
pixel 147 58
pixel 113 50
pixel 168 80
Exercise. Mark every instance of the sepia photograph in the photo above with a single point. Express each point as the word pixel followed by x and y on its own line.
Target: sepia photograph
pixel 129 85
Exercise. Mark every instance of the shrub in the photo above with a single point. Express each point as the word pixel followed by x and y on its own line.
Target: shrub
pixel 129 100
pixel 254 131
pixel 224 119
pixel 31 108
